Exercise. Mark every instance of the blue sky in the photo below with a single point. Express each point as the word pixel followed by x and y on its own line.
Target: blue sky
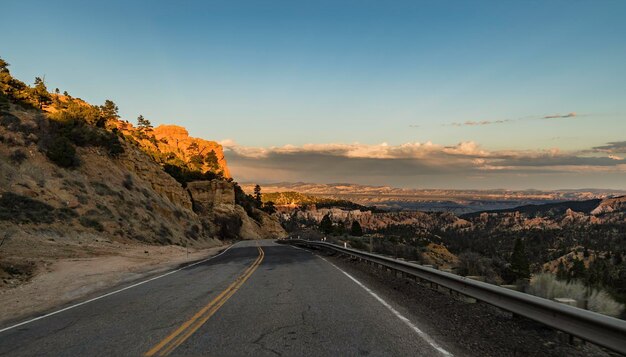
pixel 272 73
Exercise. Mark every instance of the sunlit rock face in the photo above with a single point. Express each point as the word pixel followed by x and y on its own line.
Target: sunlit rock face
pixel 175 139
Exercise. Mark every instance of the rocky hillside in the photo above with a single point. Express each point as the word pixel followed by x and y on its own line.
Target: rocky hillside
pixel 610 205
pixel 125 197
pixel 76 172
pixel 553 216
pixel 581 240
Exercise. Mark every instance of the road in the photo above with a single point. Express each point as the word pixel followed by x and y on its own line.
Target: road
pixel 258 298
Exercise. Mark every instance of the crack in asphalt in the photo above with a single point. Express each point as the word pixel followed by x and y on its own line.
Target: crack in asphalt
pixel 287 290
pixel 263 335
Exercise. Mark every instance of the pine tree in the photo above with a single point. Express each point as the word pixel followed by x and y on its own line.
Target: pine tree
pixel 40 92
pixel 340 228
pixel 196 161
pixel 356 229
pixel 519 261
pixel 4 65
pixel 194 147
pixel 109 110
pixel 577 270
pixel 258 196
pixel 143 123
pixel 212 161
pixel 326 225
pixel 561 271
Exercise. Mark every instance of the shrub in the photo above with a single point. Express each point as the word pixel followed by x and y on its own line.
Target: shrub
pixel 102 189
pixel 472 263
pixel 128 182
pixel 76 111
pixel 112 142
pixel 193 232
pixel 104 209
pixel 10 121
pixel 65 213
pixel 358 244
pixel 165 232
pixel 91 223
pixel 22 209
pixel 4 102
pixel 600 301
pixel 80 133
pixel 269 207
pixel 62 152
pixel 18 156
pixel 547 286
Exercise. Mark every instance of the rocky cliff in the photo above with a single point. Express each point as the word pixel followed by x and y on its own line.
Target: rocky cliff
pixel 216 200
pixel 176 139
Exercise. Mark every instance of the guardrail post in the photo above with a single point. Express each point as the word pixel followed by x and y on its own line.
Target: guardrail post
pixel 563 335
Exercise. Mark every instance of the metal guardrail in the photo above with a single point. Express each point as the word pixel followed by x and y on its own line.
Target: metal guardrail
pixel 587 325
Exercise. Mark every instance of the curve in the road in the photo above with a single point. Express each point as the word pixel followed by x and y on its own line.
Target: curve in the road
pixel 268 301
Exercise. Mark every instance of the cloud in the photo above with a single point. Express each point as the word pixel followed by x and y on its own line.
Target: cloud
pixel 614 147
pixel 506 121
pixel 558 116
pixel 482 122
pixel 227 143
pixel 411 150
pixel 422 164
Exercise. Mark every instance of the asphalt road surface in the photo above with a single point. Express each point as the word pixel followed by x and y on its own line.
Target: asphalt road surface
pixel 258 298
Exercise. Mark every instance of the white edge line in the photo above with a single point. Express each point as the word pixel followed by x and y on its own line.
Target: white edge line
pixel 112 292
pixel 293 246
pixel 408 322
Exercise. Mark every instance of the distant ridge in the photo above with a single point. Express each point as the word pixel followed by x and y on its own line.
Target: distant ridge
pixel 435 200
pixel 592 207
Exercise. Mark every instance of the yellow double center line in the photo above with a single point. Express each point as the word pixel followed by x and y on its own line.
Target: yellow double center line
pixel 187 329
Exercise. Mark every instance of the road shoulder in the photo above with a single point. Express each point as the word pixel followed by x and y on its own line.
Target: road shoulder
pixel 472 329
pixel 64 281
